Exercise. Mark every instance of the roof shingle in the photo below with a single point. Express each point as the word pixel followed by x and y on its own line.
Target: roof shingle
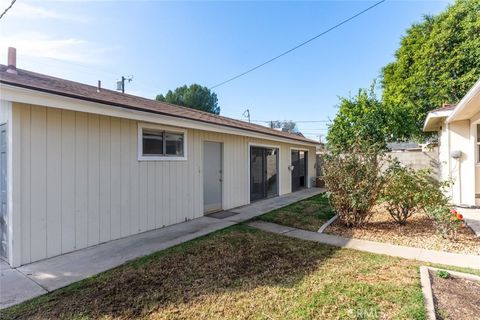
pixel 62 87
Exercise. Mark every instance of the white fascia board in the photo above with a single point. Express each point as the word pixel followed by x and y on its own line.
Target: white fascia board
pixel 433 117
pixel 28 96
pixel 465 103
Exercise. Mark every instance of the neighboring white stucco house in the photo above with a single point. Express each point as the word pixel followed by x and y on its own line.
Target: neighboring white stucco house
pixel 81 165
pixel 458 130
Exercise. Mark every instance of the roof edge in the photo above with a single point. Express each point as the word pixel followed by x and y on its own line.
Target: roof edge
pixel 433 117
pixel 293 139
pixel 465 102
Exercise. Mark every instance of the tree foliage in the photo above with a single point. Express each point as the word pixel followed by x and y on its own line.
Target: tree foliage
pixel 361 118
pixel 194 96
pixel 437 62
pixel 286 126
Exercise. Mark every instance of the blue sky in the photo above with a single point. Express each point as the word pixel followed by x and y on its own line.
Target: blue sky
pixel 168 44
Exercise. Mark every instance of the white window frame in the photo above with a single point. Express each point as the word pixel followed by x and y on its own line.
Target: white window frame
pixel 142 157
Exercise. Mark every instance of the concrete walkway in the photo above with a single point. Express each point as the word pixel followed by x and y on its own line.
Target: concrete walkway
pixel 432 256
pixel 31 280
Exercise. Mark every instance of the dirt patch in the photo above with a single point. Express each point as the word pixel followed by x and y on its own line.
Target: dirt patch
pixel 455 298
pixel 419 232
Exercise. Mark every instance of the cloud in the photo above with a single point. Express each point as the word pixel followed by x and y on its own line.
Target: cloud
pixel 36 44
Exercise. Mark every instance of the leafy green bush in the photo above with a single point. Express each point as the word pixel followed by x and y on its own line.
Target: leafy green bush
pixel 354 180
pixel 407 191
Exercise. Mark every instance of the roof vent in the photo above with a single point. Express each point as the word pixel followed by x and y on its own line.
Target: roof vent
pixel 12 60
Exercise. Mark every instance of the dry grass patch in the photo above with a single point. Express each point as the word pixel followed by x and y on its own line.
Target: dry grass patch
pixel 308 214
pixel 419 232
pixel 241 273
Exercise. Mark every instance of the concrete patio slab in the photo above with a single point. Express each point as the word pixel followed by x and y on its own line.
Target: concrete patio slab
pixel 28 281
pixel 15 286
pixel 432 256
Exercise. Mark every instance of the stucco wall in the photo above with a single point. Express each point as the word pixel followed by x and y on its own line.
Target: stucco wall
pixel 80 182
pixel 462 170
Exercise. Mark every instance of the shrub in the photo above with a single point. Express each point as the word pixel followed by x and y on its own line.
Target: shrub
pixel 354 180
pixel 407 191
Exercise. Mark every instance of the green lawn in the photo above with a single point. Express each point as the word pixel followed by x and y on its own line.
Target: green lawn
pixel 308 214
pixel 242 273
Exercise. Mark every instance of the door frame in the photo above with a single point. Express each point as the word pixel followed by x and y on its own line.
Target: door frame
pixel 222 153
pixel 279 165
pixel 307 178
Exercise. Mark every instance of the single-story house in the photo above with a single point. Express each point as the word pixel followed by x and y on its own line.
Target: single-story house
pixel 458 128
pixel 82 165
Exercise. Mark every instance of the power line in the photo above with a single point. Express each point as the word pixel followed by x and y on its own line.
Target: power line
pixel 296 121
pixel 299 45
pixel 8 8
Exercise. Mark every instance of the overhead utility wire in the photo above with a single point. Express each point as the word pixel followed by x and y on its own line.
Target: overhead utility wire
pixel 8 8
pixel 296 121
pixel 298 46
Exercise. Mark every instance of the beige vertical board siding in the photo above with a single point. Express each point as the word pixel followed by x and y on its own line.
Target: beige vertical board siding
pixel 67 173
pixel 93 205
pixel 54 182
pixel 125 177
pixel 143 195
pixel 134 180
pixel 81 180
pixel 38 182
pixel 16 184
pixel 115 227
pixel 160 200
pixel 105 179
pixel 151 216
pixel 81 183
pixel 25 200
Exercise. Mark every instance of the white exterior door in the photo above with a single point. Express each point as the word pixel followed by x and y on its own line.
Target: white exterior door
pixel 3 193
pixel 212 176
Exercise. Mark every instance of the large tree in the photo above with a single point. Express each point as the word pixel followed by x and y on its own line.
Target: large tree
pixel 360 120
pixel 437 62
pixel 286 125
pixel 194 96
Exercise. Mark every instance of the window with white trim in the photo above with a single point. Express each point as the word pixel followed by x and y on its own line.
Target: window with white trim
pixel 157 143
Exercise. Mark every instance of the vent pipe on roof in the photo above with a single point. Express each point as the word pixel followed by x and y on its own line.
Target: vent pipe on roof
pixel 12 61
pixel 99 86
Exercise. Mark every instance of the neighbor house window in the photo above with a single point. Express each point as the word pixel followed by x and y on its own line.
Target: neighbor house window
pixel 157 143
